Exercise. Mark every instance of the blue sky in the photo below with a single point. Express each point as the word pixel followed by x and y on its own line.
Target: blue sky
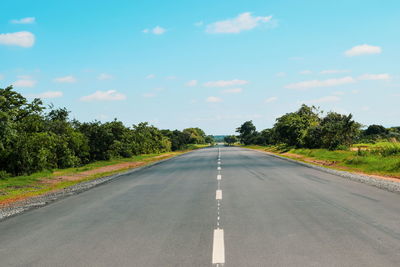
pixel 208 64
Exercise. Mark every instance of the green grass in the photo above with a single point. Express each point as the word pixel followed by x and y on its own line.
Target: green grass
pixel 31 185
pixel 381 158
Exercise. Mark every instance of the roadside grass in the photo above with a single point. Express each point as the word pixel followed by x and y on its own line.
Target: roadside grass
pixel 21 187
pixel 380 159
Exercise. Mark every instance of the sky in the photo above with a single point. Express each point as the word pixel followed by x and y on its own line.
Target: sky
pixel 208 64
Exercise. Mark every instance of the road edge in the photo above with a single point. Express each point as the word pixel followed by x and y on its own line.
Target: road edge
pixel 387 185
pixel 51 197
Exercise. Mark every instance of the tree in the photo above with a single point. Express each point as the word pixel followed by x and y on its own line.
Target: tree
pixel 230 139
pixel 196 135
pixel 247 132
pixel 376 130
pixel 338 130
pixel 292 128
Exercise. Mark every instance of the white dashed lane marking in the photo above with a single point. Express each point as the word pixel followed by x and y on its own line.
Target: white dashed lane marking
pixel 218 195
pixel 219 177
pixel 218 256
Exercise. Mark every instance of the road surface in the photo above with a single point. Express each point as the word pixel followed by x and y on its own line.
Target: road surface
pixel 256 210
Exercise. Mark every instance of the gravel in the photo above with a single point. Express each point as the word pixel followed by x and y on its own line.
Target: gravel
pixel 40 201
pixel 388 185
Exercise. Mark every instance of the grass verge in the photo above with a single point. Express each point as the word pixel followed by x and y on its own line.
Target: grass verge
pixel 22 187
pixel 366 162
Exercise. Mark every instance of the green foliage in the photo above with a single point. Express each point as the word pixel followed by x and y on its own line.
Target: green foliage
pixel 247 133
pixel 32 140
pixel 196 135
pixel 230 139
pixel 292 128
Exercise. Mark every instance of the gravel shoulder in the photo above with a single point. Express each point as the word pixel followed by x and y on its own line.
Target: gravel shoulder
pixel 384 183
pixel 27 204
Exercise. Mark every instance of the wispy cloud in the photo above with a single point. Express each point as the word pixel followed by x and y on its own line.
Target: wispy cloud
pixel 149 95
pixel 280 74
pixel 243 22
pixel 270 99
pixel 305 72
pixel 213 99
pixel 104 76
pixel 49 95
pixel 383 76
pixel 232 91
pixel 325 99
pixel 191 83
pixel 24 82
pixel 27 20
pixel 321 83
pixel 65 79
pixel 156 30
pixel 224 83
pixel 363 50
pixel 22 39
pixel 150 76
pixel 333 71
pixel 110 95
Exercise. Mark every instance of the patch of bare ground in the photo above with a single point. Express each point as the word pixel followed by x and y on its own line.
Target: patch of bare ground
pixel 85 174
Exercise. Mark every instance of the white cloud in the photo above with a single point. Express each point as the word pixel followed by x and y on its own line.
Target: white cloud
pixel 242 22
pixel 149 95
pixel 319 83
pixel 199 24
pixel 28 20
pixel 191 83
pixel 270 99
pixel 223 83
pixel 49 94
pixel 338 93
pixel 104 76
pixel 1 77
pixel 305 72
pixel 150 76
pixel 383 76
pixel 65 79
pixel 333 71
pixel 325 99
pixel 363 50
pixel 156 30
pixel 24 83
pixel 110 95
pixel 23 39
pixel 280 74
pixel 213 99
pixel 232 91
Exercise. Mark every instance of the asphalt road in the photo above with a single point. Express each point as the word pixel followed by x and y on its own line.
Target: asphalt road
pixel 269 212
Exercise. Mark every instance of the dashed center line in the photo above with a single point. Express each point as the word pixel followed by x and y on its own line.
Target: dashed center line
pixel 218 195
pixel 219 177
pixel 219 168
pixel 218 256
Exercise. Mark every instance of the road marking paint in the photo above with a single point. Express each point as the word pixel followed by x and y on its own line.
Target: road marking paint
pixel 219 168
pixel 218 255
pixel 218 195
pixel 219 162
pixel 219 177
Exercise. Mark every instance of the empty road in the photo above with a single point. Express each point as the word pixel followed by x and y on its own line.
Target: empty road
pixel 223 206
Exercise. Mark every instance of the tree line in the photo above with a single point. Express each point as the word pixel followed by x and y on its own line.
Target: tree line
pixel 33 138
pixel 309 127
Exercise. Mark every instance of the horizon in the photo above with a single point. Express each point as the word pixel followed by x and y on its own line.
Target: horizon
pixel 186 65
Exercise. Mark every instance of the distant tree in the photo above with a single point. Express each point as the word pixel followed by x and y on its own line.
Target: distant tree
pixel 338 130
pixel 230 139
pixel 209 140
pixel 196 135
pixel 265 137
pixel 247 133
pixel 376 130
pixel 292 128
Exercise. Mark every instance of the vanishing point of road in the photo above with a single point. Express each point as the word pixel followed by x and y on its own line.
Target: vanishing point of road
pixel 220 206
